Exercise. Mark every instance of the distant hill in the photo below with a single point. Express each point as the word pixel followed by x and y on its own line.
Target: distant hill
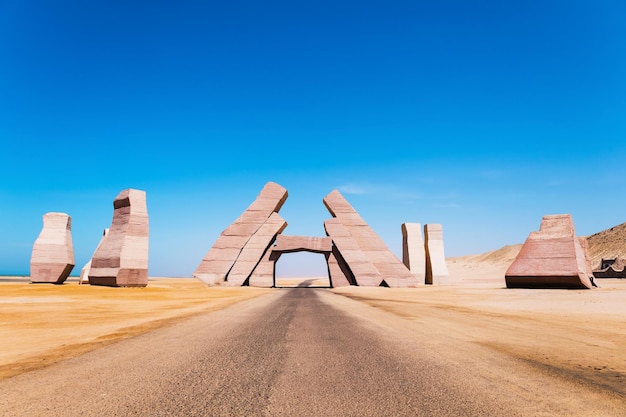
pixel 609 243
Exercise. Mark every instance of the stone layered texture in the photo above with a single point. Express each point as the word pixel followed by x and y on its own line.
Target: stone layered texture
pixel 254 250
pixel 220 259
pixel 52 257
pixel 122 258
pixel 551 258
pixel 413 250
pixel 369 259
pixel 436 267
pixel 84 272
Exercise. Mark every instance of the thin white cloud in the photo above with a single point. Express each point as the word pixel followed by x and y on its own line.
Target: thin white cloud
pixel 356 189
pixel 447 206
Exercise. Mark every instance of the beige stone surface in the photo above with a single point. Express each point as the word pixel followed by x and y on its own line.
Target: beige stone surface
pixel 219 260
pixel 363 271
pixel 84 272
pixel 413 250
pixel 122 258
pixel 339 273
pixel 264 273
pixel 550 258
pixel 254 250
pixel 436 267
pixel 389 268
pixel 52 258
pixel 285 243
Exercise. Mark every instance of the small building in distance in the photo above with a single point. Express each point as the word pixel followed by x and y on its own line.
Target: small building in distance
pixel 611 268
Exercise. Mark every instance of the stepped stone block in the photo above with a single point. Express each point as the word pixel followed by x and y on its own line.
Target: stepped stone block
pixel 255 248
pixel 373 250
pixel 122 258
pixel 219 260
pixel 436 267
pixel 52 258
pixel 413 250
pixel 84 272
pixel 550 258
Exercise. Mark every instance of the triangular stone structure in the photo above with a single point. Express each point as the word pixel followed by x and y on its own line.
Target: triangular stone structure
pixel 220 259
pixel 553 257
pixel 246 252
pixel 362 246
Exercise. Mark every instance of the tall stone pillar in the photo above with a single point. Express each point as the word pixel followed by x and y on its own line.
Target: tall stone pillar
pixel 436 268
pixel 52 258
pixel 122 259
pixel 413 251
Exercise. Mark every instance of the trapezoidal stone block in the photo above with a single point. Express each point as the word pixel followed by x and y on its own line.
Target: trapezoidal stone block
pixel 84 272
pixel 413 250
pixel 550 258
pixel 217 263
pixel 393 272
pixel 52 258
pixel 436 267
pixel 254 250
pixel 121 260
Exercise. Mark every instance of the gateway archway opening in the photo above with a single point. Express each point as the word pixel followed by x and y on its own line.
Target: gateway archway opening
pixel 302 269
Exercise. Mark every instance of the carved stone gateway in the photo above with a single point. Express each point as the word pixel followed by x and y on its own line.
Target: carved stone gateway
pixel 553 257
pixel 246 252
pixel 52 258
pixel 122 258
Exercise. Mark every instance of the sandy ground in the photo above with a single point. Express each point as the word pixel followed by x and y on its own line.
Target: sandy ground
pixel 577 334
pixel 41 324
pixel 580 333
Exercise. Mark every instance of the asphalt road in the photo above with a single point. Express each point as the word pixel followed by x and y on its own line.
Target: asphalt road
pixel 298 352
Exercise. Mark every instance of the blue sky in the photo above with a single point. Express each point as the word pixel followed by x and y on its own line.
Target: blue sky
pixel 479 115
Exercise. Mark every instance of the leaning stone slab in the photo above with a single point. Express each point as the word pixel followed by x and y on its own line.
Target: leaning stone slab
pixel 364 272
pixel 84 272
pixel 339 273
pixel 52 258
pixel 264 273
pixel 389 267
pixel 122 258
pixel 219 260
pixel 413 250
pixel 436 267
pixel 550 258
pixel 254 250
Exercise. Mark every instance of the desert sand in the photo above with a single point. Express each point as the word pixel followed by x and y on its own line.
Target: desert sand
pixel 42 324
pixel 579 334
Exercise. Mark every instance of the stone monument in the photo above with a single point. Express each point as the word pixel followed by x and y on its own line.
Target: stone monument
pixel 122 258
pixel 52 258
pixel 414 250
pixel 84 272
pixel 217 263
pixel 551 258
pixel 364 252
pixel 436 267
